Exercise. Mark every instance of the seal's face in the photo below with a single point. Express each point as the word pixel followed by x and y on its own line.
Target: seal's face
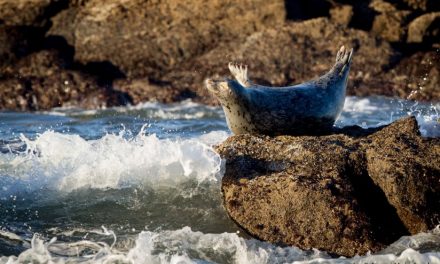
pixel 220 88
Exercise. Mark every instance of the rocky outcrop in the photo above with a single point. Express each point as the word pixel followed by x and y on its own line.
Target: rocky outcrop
pixel 141 90
pixel 407 168
pixel 163 50
pixel 416 77
pixel 390 23
pixel 347 193
pixel 145 38
pixel 342 14
pixel 40 81
pixel 424 28
pixel 423 4
pixel 24 13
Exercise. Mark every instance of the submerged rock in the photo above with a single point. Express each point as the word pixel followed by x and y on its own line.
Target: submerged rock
pixel 337 193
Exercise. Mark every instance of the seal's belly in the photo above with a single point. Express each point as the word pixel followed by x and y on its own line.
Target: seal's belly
pixel 289 113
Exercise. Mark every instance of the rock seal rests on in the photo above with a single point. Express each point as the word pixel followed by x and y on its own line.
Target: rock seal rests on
pixel 307 108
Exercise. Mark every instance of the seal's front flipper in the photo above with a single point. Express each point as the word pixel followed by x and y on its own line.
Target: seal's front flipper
pixel 343 60
pixel 240 72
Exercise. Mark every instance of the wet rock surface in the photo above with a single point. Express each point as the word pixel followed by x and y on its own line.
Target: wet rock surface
pixel 163 50
pixel 346 193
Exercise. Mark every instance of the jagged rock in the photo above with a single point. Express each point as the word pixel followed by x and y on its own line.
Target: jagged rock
pixel 24 13
pixel 18 41
pixel 22 26
pixel 424 27
pixel 317 191
pixel 390 24
pixel 341 14
pixel 141 90
pixel 145 38
pixel 423 4
pixel 175 45
pixel 382 6
pixel 39 82
pixel 407 168
pixel 416 77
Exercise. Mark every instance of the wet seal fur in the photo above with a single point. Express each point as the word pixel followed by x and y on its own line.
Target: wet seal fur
pixel 307 108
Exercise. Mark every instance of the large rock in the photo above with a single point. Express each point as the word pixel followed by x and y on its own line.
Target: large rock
pixel 145 38
pixel 325 192
pixel 416 77
pixel 23 24
pixel 391 25
pixel 18 41
pixel 163 50
pixel 424 5
pixel 142 89
pixel 342 14
pixel 407 168
pixel 24 12
pixel 424 28
pixel 40 81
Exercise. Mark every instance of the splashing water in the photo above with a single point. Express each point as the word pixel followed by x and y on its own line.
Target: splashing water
pixel 187 246
pixel 101 186
pixel 69 162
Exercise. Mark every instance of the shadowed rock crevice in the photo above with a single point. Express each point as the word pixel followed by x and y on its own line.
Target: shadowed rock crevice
pixel 386 223
pixel 306 9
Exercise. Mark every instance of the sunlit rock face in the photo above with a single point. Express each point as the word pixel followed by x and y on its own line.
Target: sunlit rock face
pixel 135 51
pixel 142 37
pixel 346 193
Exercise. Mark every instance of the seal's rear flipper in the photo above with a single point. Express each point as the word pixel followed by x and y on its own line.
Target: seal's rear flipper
pixel 240 72
pixel 343 60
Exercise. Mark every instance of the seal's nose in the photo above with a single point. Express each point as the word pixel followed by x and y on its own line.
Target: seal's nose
pixel 209 83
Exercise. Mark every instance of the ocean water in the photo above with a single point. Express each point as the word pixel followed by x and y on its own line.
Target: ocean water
pixel 141 184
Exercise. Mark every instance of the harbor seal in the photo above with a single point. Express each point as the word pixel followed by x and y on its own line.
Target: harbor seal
pixel 307 108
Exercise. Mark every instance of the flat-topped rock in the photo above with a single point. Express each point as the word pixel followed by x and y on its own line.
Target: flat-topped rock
pixel 337 193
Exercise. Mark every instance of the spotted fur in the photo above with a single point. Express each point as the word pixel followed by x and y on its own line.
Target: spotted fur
pixel 307 108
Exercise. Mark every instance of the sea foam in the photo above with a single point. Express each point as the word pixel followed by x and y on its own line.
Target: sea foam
pixel 68 162
pixel 188 246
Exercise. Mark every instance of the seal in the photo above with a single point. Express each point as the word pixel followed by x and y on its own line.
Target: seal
pixel 307 108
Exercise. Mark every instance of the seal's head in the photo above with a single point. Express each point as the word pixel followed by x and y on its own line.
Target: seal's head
pixel 225 90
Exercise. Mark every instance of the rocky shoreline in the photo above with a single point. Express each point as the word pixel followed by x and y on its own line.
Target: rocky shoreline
pixel 94 53
pixel 347 193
